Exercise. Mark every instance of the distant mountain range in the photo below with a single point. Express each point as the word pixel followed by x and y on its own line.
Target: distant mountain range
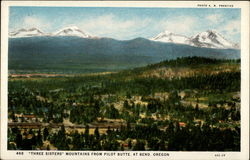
pixel 72 50
pixel 207 39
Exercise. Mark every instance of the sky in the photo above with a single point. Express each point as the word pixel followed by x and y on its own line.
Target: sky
pixel 129 23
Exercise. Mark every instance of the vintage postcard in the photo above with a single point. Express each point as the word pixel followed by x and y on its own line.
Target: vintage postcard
pixel 127 80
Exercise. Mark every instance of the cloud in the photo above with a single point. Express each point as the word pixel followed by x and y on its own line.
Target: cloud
pixel 214 18
pixel 108 22
pixel 182 24
pixel 31 21
pixel 231 28
pixel 111 25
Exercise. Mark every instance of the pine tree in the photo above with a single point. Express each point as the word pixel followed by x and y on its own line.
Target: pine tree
pixel 19 140
pixel 139 146
pixel 96 132
pixel 39 138
pixel 129 144
pixel 45 133
pixel 48 147
pixel 122 148
pixel 162 146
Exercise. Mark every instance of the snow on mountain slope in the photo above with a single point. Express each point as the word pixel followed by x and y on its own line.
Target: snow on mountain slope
pixel 211 39
pixel 170 37
pixel 26 33
pixel 71 31
pixel 207 39
pixel 67 31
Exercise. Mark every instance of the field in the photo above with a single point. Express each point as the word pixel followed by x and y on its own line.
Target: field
pixel 186 104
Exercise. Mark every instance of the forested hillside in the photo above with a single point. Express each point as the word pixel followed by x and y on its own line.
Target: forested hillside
pixel 186 104
pixel 82 55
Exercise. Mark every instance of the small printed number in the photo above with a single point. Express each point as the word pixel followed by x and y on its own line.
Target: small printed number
pixel 220 155
pixel 19 153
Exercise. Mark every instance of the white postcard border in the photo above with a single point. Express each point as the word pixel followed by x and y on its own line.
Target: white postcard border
pixel 243 154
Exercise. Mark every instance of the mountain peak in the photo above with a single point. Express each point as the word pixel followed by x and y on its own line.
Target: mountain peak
pixel 208 39
pixel 164 34
pixel 212 39
pixel 211 31
pixel 170 37
pixel 66 31
pixel 33 29
pixel 207 33
pixel 26 32
pixel 167 32
pixel 72 31
pixel 69 28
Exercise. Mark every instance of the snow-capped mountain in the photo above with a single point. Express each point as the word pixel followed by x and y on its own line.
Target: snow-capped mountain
pixel 67 31
pixel 26 33
pixel 212 39
pixel 207 39
pixel 71 31
pixel 170 37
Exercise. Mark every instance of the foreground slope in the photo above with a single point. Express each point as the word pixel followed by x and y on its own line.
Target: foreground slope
pixel 182 105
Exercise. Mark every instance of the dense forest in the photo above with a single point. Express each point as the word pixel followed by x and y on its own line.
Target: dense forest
pixel 186 104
